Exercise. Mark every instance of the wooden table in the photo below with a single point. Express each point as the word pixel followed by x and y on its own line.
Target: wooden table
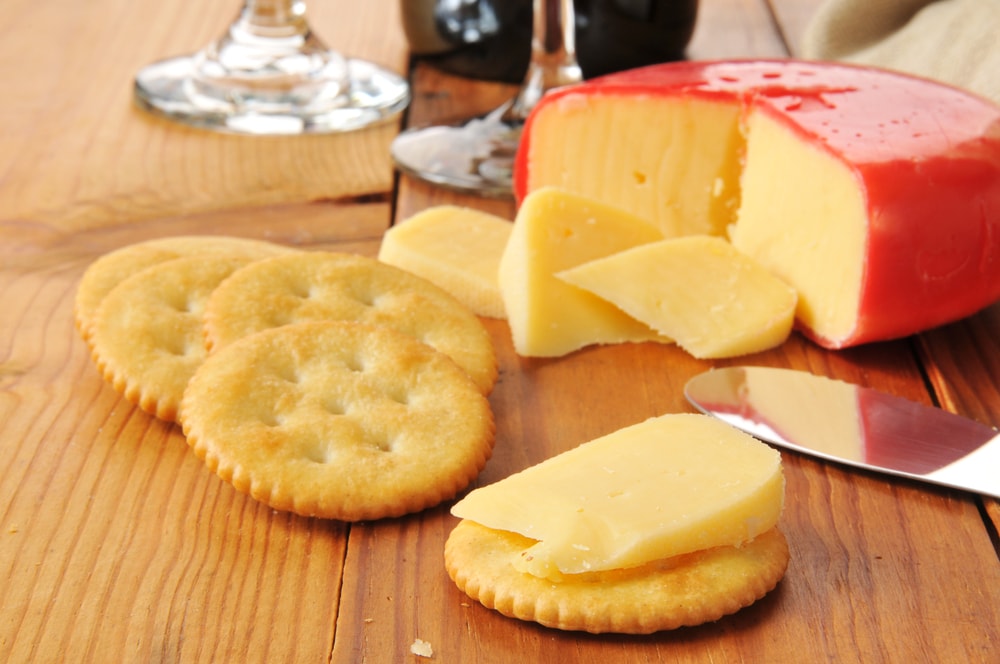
pixel 116 544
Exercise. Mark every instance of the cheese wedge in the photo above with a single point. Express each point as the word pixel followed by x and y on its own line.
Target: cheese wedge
pixel 456 248
pixel 667 486
pixel 698 290
pixel 874 194
pixel 554 231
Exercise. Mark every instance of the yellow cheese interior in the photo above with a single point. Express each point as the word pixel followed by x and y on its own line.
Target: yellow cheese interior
pixel 711 299
pixel 667 486
pixel 800 232
pixel 456 248
pixel 554 231
pixel 673 161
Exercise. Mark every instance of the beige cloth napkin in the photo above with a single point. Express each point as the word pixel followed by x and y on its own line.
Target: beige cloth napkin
pixel 955 41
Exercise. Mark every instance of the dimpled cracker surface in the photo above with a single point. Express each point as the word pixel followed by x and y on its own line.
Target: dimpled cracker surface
pixel 337 286
pixel 114 267
pixel 338 420
pixel 147 333
pixel 685 590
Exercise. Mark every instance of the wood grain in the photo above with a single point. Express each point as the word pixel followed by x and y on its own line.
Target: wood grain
pixel 856 573
pixel 963 367
pixel 105 513
pixel 77 154
pixel 116 544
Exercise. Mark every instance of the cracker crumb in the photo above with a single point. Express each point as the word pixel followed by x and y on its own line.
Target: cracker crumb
pixel 421 648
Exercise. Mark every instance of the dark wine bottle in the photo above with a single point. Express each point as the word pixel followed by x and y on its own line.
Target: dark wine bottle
pixel 491 39
pixel 613 35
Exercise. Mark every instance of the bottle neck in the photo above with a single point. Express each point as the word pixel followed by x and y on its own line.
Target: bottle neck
pixel 553 54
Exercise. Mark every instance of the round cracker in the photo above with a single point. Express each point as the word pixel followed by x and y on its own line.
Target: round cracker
pixel 338 420
pixel 681 591
pixel 147 333
pixel 338 286
pixel 112 268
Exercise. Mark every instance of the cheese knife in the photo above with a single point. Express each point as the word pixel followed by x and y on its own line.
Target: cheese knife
pixel 853 425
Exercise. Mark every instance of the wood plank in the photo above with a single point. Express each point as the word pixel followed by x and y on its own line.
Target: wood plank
pixel 75 152
pixel 858 574
pixel 116 541
pixel 963 361
pixel 859 571
pixel 117 544
pixel 442 98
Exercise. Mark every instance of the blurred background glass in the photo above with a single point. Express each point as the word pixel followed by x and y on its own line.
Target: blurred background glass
pixel 491 39
pixel 542 44
pixel 270 74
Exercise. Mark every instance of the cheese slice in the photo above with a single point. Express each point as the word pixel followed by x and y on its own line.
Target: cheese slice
pixel 456 248
pixel 698 290
pixel 874 194
pixel 553 231
pixel 671 485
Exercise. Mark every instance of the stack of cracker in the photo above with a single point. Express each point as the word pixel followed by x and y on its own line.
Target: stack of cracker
pixel 321 383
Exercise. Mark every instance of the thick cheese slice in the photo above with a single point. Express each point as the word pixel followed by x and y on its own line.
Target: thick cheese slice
pixel 456 248
pixel 554 231
pixel 673 484
pixel 698 290
pixel 874 194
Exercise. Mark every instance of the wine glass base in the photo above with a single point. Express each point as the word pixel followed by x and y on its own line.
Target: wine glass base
pixel 369 95
pixel 475 157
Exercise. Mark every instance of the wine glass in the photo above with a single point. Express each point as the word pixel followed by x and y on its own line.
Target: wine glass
pixel 270 74
pixel 478 155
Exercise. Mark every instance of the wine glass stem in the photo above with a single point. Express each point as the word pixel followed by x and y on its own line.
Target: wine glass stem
pixel 273 18
pixel 553 54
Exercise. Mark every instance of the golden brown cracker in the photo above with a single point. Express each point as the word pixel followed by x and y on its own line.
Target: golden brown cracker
pixel 681 591
pixel 112 268
pixel 147 332
pixel 339 286
pixel 339 420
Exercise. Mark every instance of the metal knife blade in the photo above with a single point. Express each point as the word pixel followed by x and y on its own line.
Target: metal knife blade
pixel 853 425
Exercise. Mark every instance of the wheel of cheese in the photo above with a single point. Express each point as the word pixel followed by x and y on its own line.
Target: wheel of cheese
pixel 874 194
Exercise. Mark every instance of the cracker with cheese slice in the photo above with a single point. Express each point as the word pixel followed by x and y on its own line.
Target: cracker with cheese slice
pixel 670 522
